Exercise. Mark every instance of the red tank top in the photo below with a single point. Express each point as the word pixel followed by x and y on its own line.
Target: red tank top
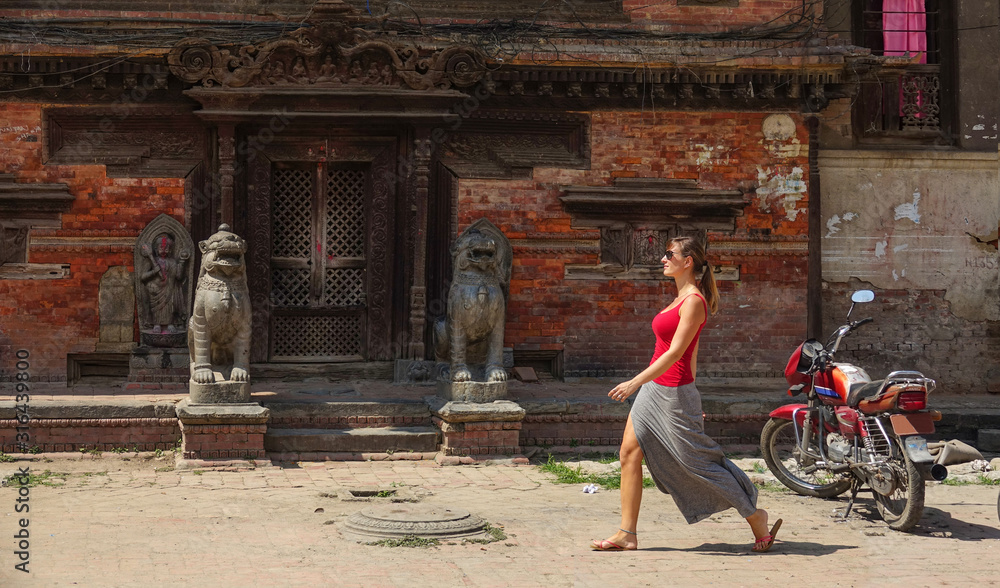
pixel 664 326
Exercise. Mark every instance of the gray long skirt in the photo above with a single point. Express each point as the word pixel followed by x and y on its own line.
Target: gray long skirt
pixel 684 461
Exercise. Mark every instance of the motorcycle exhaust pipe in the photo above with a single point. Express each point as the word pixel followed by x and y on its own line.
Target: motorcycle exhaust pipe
pixel 935 472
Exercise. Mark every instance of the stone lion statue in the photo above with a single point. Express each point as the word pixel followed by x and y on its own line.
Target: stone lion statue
pixel 472 331
pixel 219 329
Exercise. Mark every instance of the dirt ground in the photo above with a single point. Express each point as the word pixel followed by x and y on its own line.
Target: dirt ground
pixel 134 520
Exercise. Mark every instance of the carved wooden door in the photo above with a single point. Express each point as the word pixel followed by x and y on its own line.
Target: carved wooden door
pixel 318 262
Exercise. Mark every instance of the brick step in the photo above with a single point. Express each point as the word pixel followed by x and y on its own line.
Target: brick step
pixel 348 414
pixel 355 440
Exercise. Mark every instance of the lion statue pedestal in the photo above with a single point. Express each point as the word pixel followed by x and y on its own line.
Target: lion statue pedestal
pixel 470 337
pixel 218 421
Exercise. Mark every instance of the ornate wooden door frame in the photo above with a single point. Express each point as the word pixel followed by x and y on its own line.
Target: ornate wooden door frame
pixel 377 152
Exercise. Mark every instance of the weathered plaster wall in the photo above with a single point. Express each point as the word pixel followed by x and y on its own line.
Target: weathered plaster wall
pixel 978 109
pixel 921 228
pixel 913 220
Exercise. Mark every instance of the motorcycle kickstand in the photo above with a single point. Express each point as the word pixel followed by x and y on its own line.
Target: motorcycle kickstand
pixel 855 488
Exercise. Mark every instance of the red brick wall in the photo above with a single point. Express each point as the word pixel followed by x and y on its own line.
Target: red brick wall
pixel 602 326
pixel 51 318
pixel 101 434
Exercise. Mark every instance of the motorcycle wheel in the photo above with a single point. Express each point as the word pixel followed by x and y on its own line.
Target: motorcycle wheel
pixel 777 444
pixel 903 508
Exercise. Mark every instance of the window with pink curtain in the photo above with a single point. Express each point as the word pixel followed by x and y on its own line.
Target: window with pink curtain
pixel 904 28
pixel 904 32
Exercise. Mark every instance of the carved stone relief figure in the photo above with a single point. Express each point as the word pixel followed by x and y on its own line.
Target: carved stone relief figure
pixel 357 74
pixel 163 281
pixel 299 72
pixel 327 71
pixel 277 74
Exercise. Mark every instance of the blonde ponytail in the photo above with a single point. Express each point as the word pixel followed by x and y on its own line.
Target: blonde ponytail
pixel 709 289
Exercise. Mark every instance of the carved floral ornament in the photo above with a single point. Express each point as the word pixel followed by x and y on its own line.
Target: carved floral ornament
pixel 330 54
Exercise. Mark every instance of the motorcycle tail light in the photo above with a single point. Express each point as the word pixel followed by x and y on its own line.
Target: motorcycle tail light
pixel 912 401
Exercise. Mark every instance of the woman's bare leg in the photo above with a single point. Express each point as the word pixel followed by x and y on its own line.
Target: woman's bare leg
pixel 631 489
pixel 758 523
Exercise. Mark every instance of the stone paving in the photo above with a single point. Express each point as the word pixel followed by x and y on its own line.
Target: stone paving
pixel 133 520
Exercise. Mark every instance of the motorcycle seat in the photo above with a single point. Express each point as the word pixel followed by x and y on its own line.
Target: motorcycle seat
pixel 866 391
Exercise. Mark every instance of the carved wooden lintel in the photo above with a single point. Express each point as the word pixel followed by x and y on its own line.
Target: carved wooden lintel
pixel 34 271
pixel 638 216
pixel 606 271
pixel 27 205
pixel 33 200
pixel 136 142
pixel 509 144
pixel 665 201
pixel 329 54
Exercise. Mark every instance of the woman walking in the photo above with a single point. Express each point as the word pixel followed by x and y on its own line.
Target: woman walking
pixel 665 425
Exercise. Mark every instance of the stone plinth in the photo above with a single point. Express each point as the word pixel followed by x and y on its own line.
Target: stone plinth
pixel 155 367
pixel 220 392
pixel 479 430
pixel 475 392
pixel 222 431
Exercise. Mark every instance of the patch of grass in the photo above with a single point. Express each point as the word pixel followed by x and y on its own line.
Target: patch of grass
pixel 164 469
pixel 92 451
pixel 35 450
pixel 772 487
pixel 980 480
pixel 4 458
pixel 42 479
pixel 567 475
pixel 385 493
pixel 759 467
pixel 197 472
pixel 493 534
pixel 158 453
pixel 408 541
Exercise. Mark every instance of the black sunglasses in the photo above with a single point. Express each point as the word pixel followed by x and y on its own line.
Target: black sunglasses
pixel 670 255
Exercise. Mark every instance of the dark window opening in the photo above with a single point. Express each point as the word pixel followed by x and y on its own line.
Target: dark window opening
pixel 909 107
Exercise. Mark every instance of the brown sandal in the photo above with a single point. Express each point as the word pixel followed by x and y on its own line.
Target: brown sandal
pixel 606 545
pixel 764 544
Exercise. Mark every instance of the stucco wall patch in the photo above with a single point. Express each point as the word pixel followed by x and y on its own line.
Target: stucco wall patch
pixel 777 189
pixel 833 225
pixel 910 210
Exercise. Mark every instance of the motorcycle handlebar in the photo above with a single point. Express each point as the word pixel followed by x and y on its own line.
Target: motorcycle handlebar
pixel 834 342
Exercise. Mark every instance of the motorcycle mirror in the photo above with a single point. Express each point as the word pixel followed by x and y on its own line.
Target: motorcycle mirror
pixel 860 296
pixel 863 296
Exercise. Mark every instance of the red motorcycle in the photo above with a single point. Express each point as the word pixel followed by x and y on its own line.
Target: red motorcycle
pixel 854 432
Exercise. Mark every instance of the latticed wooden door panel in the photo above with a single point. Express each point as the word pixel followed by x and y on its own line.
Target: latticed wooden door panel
pixel 318 262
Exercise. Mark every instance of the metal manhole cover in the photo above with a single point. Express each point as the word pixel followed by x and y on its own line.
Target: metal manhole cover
pixel 393 521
